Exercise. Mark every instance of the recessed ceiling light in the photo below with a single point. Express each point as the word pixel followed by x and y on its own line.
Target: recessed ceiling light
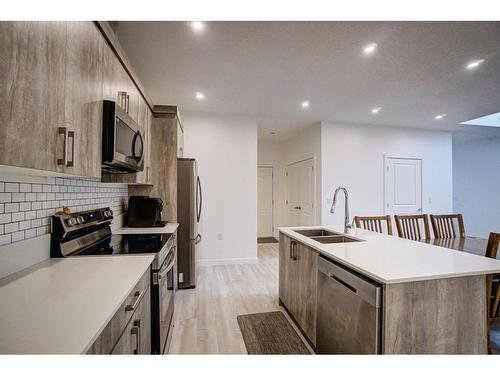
pixel 305 104
pixel 197 25
pixel 474 64
pixel 370 48
pixel 440 116
pixel 376 110
pixel 199 95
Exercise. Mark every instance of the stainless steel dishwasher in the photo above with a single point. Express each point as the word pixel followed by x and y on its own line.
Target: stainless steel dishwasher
pixel 349 311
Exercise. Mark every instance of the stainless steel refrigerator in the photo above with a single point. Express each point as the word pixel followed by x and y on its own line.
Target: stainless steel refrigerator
pixel 189 203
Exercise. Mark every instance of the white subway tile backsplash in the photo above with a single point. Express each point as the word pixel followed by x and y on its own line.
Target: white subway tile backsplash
pixel 41 231
pixel 5 197
pixel 18 236
pixel 5 218
pixel 11 227
pixel 18 197
pixel 30 233
pixel 27 204
pixel 36 223
pixel 5 239
pixel 25 225
pixel 11 187
pixel 11 207
pixel 25 188
pixel 30 197
pixel 18 216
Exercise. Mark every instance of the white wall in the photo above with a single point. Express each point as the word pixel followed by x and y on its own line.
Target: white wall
pixel 353 156
pixel 304 145
pixel 476 185
pixel 226 149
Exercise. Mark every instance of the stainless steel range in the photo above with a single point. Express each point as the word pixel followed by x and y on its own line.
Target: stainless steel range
pixel 89 234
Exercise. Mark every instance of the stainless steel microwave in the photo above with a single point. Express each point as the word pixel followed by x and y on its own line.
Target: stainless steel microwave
pixel 122 141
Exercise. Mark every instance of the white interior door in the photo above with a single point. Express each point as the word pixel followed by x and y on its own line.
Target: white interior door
pixel 265 202
pixel 300 193
pixel 403 186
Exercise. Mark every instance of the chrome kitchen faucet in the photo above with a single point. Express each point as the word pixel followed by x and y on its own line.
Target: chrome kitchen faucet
pixel 347 221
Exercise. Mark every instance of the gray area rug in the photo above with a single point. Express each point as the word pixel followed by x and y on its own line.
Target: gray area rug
pixel 270 333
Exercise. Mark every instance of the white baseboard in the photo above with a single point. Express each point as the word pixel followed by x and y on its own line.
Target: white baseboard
pixel 219 262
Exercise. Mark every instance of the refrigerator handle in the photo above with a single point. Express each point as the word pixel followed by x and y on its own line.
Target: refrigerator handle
pixel 199 199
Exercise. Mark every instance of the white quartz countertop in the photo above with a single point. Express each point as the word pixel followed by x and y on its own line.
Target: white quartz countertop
pixel 169 228
pixel 390 259
pixel 60 306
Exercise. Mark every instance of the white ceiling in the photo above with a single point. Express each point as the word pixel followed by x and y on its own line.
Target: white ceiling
pixel 267 69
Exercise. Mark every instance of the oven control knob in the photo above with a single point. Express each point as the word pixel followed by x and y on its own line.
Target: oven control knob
pixel 108 213
pixel 71 222
pixel 80 220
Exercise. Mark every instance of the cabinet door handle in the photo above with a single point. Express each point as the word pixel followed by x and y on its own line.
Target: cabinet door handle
pixel 294 252
pixel 136 331
pixel 290 250
pixel 137 299
pixel 71 163
pixel 62 130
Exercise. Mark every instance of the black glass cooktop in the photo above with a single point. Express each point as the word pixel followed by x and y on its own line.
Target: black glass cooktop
pixel 127 244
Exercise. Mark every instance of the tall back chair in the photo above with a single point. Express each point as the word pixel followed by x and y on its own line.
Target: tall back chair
pixel 492 287
pixel 374 223
pixel 409 226
pixel 443 226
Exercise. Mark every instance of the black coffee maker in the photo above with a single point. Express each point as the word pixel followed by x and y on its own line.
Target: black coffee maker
pixel 144 212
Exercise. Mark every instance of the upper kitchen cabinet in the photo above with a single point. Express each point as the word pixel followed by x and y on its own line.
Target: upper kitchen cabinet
pixel 173 119
pixel 83 92
pixel 32 93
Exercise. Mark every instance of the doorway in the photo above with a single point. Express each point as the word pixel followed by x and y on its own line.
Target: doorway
pixel 265 202
pixel 300 193
pixel 403 186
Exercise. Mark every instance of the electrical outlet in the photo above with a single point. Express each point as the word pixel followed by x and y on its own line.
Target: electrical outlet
pixel 219 236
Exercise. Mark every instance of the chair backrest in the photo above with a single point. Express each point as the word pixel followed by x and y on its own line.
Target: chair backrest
pixel 443 226
pixel 409 226
pixel 374 223
pixel 492 290
pixel 494 300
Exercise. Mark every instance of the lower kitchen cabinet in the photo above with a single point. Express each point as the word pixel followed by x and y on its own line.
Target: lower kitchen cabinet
pixel 136 338
pixel 129 330
pixel 298 277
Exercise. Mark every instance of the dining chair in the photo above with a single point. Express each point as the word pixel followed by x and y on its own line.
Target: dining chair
pixel 374 223
pixel 443 226
pixel 409 226
pixel 492 288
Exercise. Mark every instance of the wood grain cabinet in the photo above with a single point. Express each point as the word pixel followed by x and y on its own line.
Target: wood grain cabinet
pixel 129 330
pixel 54 78
pixel 298 276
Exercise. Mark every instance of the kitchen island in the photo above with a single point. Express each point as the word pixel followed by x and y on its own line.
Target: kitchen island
pixel 432 299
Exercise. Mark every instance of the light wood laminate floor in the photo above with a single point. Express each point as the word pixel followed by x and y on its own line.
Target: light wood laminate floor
pixel 205 317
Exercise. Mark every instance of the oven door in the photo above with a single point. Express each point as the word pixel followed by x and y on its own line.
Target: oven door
pixel 166 291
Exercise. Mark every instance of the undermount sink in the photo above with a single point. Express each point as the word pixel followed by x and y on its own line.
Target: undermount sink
pixel 334 239
pixel 316 232
pixel 326 236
